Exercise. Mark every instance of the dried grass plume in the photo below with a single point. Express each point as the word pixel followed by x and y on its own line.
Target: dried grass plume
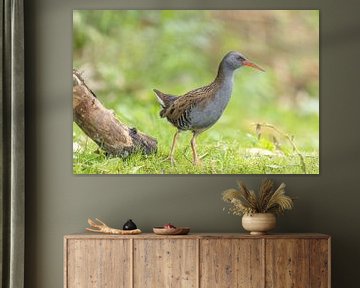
pixel 267 200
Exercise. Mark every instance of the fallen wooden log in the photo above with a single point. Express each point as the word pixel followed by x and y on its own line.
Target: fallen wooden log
pixel 102 125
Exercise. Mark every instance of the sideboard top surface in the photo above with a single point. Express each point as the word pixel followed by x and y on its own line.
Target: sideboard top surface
pixel 87 235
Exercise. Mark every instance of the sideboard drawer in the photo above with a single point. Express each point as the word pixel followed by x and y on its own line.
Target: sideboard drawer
pixel 231 263
pixel 98 263
pixel 297 263
pixel 165 263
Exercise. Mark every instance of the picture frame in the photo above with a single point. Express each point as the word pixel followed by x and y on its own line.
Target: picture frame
pixel 138 108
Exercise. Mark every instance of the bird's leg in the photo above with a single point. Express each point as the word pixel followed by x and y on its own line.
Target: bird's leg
pixel 196 159
pixel 171 157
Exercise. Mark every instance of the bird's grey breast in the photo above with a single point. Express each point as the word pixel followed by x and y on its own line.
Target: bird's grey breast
pixel 203 117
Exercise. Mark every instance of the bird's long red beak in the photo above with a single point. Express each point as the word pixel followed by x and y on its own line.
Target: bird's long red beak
pixel 253 65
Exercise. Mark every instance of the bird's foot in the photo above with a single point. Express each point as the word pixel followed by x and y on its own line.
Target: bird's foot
pixel 198 160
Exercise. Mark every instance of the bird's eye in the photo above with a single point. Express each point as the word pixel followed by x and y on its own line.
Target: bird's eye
pixel 240 58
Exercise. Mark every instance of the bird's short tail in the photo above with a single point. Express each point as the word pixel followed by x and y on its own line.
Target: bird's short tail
pixel 165 100
pixel 160 96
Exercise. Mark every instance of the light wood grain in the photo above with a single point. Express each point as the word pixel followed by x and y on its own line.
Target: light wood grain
pixel 165 263
pixel 205 260
pixel 231 263
pixel 88 235
pixel 287 263
pixel 98 264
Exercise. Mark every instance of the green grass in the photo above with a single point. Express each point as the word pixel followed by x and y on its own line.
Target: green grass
pixel 230 147
pixel 220 159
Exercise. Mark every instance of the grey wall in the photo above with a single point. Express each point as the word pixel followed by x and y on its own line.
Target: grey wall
pixel 58 203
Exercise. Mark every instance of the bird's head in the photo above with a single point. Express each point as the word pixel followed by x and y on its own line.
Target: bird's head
pixel 234 60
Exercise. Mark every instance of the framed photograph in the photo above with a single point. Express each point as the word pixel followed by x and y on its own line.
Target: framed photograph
pixel 196 92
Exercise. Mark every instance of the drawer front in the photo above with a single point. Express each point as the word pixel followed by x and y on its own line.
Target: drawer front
pixel 165 263
pixel 98 263
pixel 230 263
pixel 297 263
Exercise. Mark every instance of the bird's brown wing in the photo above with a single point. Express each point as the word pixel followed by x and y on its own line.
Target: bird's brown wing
pixel 198 97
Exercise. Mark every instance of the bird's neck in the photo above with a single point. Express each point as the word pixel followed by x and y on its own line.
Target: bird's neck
pixel 225 74
pixel 224 84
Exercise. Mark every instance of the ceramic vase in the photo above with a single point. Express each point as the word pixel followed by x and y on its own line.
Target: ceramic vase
pixel 259 223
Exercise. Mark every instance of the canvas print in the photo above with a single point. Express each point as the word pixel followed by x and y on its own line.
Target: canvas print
pixel 195 92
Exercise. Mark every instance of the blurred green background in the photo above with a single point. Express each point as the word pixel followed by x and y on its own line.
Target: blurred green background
pixel 125 54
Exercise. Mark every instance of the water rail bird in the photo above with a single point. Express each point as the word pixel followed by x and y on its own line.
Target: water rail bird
pixel 200 108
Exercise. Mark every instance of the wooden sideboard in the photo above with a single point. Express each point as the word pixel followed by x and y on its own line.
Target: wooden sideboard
pixel 197 260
